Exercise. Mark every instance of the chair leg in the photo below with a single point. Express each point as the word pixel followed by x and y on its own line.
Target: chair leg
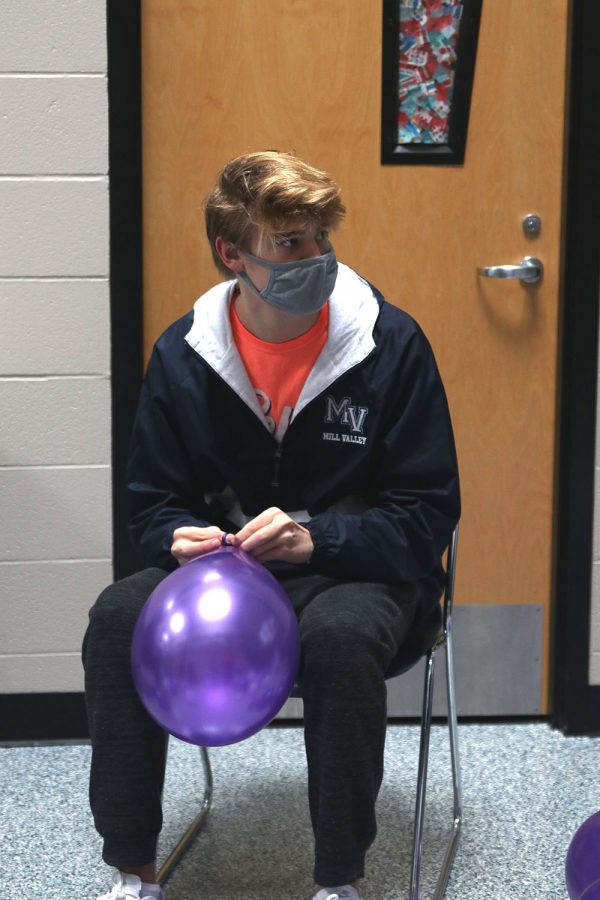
pixel 442 882
pixel 186 839
pixel 456 777
pixel 422 776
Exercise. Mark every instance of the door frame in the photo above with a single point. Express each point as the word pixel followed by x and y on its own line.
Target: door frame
pixel 575 703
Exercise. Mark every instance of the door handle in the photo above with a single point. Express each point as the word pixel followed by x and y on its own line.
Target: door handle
pixel 529 270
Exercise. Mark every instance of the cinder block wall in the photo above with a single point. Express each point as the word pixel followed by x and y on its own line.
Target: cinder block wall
pixel 55 475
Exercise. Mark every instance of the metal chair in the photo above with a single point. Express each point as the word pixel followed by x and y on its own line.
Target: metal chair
pixel 425 640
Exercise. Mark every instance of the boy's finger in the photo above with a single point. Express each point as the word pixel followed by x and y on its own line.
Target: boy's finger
pixel 259 538
pixel 195 532
pixel 262 519
pixel 194 548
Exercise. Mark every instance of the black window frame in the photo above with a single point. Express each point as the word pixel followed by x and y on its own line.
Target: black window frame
pixel 453 151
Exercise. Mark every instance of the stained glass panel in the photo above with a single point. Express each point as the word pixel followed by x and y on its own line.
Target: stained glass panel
pixel 428 39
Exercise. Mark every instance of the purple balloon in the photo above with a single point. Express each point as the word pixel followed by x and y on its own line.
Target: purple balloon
pixel 216 649
pixel 582 867
pixel 592 892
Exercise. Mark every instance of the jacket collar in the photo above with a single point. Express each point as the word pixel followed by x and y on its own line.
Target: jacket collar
pixel 353 311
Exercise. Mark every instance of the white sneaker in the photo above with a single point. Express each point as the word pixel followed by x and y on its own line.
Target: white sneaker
pixel 126 887
pixel 345 892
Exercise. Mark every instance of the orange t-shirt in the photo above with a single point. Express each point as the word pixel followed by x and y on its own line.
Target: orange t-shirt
pixel 278 371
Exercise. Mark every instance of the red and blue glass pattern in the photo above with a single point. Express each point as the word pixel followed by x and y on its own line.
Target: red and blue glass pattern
pixel 428 41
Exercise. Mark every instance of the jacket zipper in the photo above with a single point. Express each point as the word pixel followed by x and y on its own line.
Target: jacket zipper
pixel 279 448
pixel 276 465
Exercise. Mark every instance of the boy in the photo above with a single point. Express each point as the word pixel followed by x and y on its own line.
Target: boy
pixel 297 415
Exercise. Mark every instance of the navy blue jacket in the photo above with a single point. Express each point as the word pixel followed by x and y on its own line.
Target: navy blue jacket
pixel 367 463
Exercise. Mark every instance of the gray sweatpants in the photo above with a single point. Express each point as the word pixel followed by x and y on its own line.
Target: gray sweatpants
pixel 349 632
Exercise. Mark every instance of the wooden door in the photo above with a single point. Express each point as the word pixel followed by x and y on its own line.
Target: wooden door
pixel 221 78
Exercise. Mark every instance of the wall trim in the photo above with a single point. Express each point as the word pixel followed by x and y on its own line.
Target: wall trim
pixel 47 717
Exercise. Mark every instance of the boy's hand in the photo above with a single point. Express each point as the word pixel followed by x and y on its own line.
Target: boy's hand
pixel 273 535
pixel 190 542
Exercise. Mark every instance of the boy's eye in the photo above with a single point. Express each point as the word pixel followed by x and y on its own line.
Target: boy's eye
pixel 290 243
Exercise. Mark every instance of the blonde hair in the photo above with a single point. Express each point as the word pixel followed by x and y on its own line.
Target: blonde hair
pixel 271 191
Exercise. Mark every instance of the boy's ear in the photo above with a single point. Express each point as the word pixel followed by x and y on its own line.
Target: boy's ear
pixel 229 255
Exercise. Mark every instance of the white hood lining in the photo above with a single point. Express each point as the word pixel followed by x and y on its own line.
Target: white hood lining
pixel 353 311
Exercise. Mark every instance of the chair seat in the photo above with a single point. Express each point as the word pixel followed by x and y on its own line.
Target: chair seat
pixel 418 643
pixel 420 640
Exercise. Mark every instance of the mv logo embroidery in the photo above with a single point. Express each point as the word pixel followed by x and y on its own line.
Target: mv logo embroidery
pixel 344 413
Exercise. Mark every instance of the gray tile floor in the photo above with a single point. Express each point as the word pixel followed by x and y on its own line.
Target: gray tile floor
pixel 527 788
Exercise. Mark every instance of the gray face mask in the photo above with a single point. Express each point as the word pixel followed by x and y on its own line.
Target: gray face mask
pixel 300 287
